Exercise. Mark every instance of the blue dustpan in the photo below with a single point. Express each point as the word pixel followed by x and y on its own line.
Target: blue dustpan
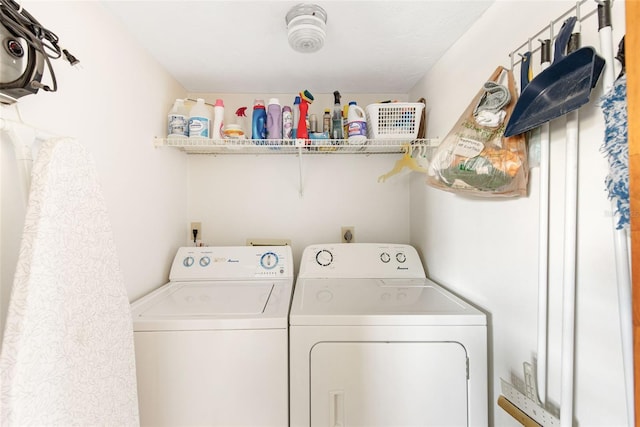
pixel 563 87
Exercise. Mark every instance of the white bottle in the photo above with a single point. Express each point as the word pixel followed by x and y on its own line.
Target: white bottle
pixel 287 123
pixel 199 120
pixel 356 124
pixel 217 129
pixel 178 120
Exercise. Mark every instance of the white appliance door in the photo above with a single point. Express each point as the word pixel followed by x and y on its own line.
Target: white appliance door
pixel 400 384
pixel 213 378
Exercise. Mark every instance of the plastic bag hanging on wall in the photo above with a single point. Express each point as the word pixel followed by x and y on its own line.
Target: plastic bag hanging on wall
pixel 475 158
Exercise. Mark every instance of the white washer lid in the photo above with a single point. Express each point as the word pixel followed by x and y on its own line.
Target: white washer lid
pixel 379 302
pixel 214 305
pixel 201 299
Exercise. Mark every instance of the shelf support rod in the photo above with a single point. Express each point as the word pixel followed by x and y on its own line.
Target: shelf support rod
pixel 300 187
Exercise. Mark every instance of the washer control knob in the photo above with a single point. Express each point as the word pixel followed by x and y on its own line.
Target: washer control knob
pixel 324 257
pixel 188 261
pixel 401 257
pixel 269 260
pixel 385 257
pixel 204 261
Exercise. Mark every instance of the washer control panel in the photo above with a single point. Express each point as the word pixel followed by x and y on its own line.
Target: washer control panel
pixel 232 262
pixel 361 260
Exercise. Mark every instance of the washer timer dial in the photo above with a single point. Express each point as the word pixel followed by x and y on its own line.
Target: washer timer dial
pixel 269 260
pixel 324 257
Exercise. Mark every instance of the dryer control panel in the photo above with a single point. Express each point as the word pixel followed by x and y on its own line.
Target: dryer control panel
pixel 361 260
pixel 232 262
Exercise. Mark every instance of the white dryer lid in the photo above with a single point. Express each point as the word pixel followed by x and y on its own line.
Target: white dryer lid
pixel 214 305
pixel 344 302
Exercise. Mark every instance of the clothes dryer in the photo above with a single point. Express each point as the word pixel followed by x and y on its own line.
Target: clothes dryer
pixel 212 344
pixel 373 342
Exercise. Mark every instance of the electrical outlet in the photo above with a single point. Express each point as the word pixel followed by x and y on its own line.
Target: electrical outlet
pixel 195 226
pixel 348 234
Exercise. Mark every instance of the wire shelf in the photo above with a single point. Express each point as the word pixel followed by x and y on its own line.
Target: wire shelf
pixel 292 146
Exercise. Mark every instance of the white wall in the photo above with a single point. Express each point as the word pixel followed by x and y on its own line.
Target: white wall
pixel 115 103
pixel 245 196
pixel 486 251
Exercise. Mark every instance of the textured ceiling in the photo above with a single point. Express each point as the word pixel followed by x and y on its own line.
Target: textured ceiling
pixel 241 46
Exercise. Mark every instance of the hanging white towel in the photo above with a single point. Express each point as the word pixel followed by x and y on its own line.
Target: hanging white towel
pixel 67 355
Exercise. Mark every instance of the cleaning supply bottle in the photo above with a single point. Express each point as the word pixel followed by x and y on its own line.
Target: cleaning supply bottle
pixel 178 120
pixel 274 119
pixel 326 122
pixel 296 117
pixel 217 130
pixel 357 124
pixel 287 122
pixel 259 120
pixel 345 129
pixel 199 120
pixel 336 118
pixel 312 125
pixel 306 98
pixel 241 120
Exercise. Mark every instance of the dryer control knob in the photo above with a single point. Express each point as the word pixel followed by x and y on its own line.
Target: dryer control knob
pixel 401 257
pixel 324 257
pixel 204 261
pixel 385 257
pixel 188 261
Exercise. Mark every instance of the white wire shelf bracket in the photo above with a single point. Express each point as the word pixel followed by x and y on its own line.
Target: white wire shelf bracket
pixel 292 146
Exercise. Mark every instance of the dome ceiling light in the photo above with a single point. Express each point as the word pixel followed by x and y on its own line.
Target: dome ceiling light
pixel 306 27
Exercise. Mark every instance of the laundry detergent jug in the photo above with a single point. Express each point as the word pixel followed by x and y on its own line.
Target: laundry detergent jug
pixel 356 124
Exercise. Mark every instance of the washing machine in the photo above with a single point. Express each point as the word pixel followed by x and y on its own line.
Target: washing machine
pixel 212 344
pixel 373 342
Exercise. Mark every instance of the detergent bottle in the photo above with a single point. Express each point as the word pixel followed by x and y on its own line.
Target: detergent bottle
pixel 274 119
pixel 178 120
pixel 259 120
pixel 217 130
pixel 296 117
pixel 356 124
pixel 287 122
pixel 199 120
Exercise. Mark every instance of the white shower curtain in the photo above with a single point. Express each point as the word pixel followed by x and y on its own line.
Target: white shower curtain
pixel 67 356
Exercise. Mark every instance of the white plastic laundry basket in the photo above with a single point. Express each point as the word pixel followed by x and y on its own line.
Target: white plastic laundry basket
pixel 397 120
